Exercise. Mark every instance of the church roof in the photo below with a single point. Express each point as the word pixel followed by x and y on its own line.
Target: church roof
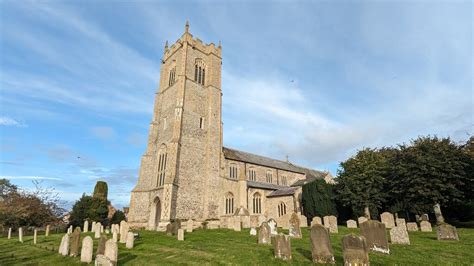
pixel 270 186
pixel 241 156
pixel 282 192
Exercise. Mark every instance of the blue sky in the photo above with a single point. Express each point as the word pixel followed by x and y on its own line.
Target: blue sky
pixel 314 80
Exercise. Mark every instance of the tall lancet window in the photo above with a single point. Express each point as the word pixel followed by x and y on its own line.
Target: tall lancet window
pixel 257 203
pixel 162 158
pixel 172 78
pixel 199 71
pixel 229 203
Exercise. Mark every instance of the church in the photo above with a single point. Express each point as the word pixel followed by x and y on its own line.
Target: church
pixel 186 172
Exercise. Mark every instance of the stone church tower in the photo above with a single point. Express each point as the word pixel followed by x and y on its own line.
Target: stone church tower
pixel 179 172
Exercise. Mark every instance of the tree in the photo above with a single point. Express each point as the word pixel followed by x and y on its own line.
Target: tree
pixel 361 181
pixel 100 190
pixel 318 199
pixel 6 188
pixel 29 208
pixel 89 208
pixel 118 217
pixel 428 173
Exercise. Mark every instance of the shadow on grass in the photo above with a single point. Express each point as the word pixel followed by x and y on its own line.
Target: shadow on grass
pixel 127 258
pixel 306 253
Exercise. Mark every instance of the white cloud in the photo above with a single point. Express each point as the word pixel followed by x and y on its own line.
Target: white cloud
pixel 104 133
pixel 30 178
pixel 6 121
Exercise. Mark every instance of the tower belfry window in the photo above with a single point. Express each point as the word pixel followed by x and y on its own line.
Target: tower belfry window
pixel 199 72
pixel 172 78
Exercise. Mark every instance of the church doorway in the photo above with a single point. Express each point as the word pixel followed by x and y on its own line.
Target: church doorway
pixel 157 212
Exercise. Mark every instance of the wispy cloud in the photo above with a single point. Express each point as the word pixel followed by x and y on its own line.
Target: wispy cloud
pixel 7 121
pixel 103 132
pixel 31 178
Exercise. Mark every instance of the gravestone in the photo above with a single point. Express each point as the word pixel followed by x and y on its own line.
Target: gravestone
pixel 96 233
pixel 111 251
pixel 180 234
pixel 20 234
pixel 330 222
pixel 124 230
pixel 98 225
pixel 130 240
pixel 412 227
pixel 35 235
pixel 321 248
pixel 69 230
pixel 189 226
pixel 425 217
pixel 107 231
pixel 237 224
pixel 361 220
pixel 101 245
pixel 243 215
pixel 401 223
pixel 264 234
pixel 316 220
pixel 273 226
pixel 387 219
pixel 101 229
pixel 75 242
pixel 295 230
pixel 115 236
pixel 351 224
pixel 86 226
pixel 64 246
pixel 447 232
pixel 375 235
pixel 171 228
pixel 87 249
pixel 355 250
pixel 93 227
pixel 425 226
pixel 282 247
pixel 47 230
pixel 399 235
pixel 253 231
pixel 9 233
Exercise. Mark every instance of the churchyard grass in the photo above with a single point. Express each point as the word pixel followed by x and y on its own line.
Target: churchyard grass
pixel 228 247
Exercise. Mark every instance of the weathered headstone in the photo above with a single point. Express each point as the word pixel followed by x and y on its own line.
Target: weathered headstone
pixel 399 235
pixel 376 236
pixel 237 224
pixel 361 220
pixel 447 232
pixel 264 234
pixel 20 234
pixel 9 233
pixel 111 251
pixel 412 227
pixel 387 219
pixel 351 224
pixel 35 236
pixel 86 226
pixel 115 236
pixel 180 234
pixel 425 226
pixel 47 230
pixel 171 228
pixel 253 231
pixel 107 231
pixel 295 230
pixel 330 222
pixel 96 233
pixel 282 247
pixel 401 223
pixel 316 220
pixel 93 226
pixel 98 225
pixel 130 240
pixel 101 245
pixel 69 230
pixel 321 248
pixel 75 242
pixel 189 226
pixel 87 249
pixel 425 217
pixel 355 250
pixel 64 246
pixel 273 226
pixel 124 230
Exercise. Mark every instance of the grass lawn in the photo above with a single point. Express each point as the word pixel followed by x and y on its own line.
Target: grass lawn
pixel 228 247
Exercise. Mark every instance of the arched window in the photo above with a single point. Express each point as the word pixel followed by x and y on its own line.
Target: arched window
pixel 269 176
pixel 229 203
pixel 257 203
pixel 233 171
pixel 281 209
pixel 199 71
pixel 172 78
pixel 162 158
pixel 252 174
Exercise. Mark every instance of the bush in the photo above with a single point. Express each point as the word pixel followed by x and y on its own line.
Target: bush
pixel 318 199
